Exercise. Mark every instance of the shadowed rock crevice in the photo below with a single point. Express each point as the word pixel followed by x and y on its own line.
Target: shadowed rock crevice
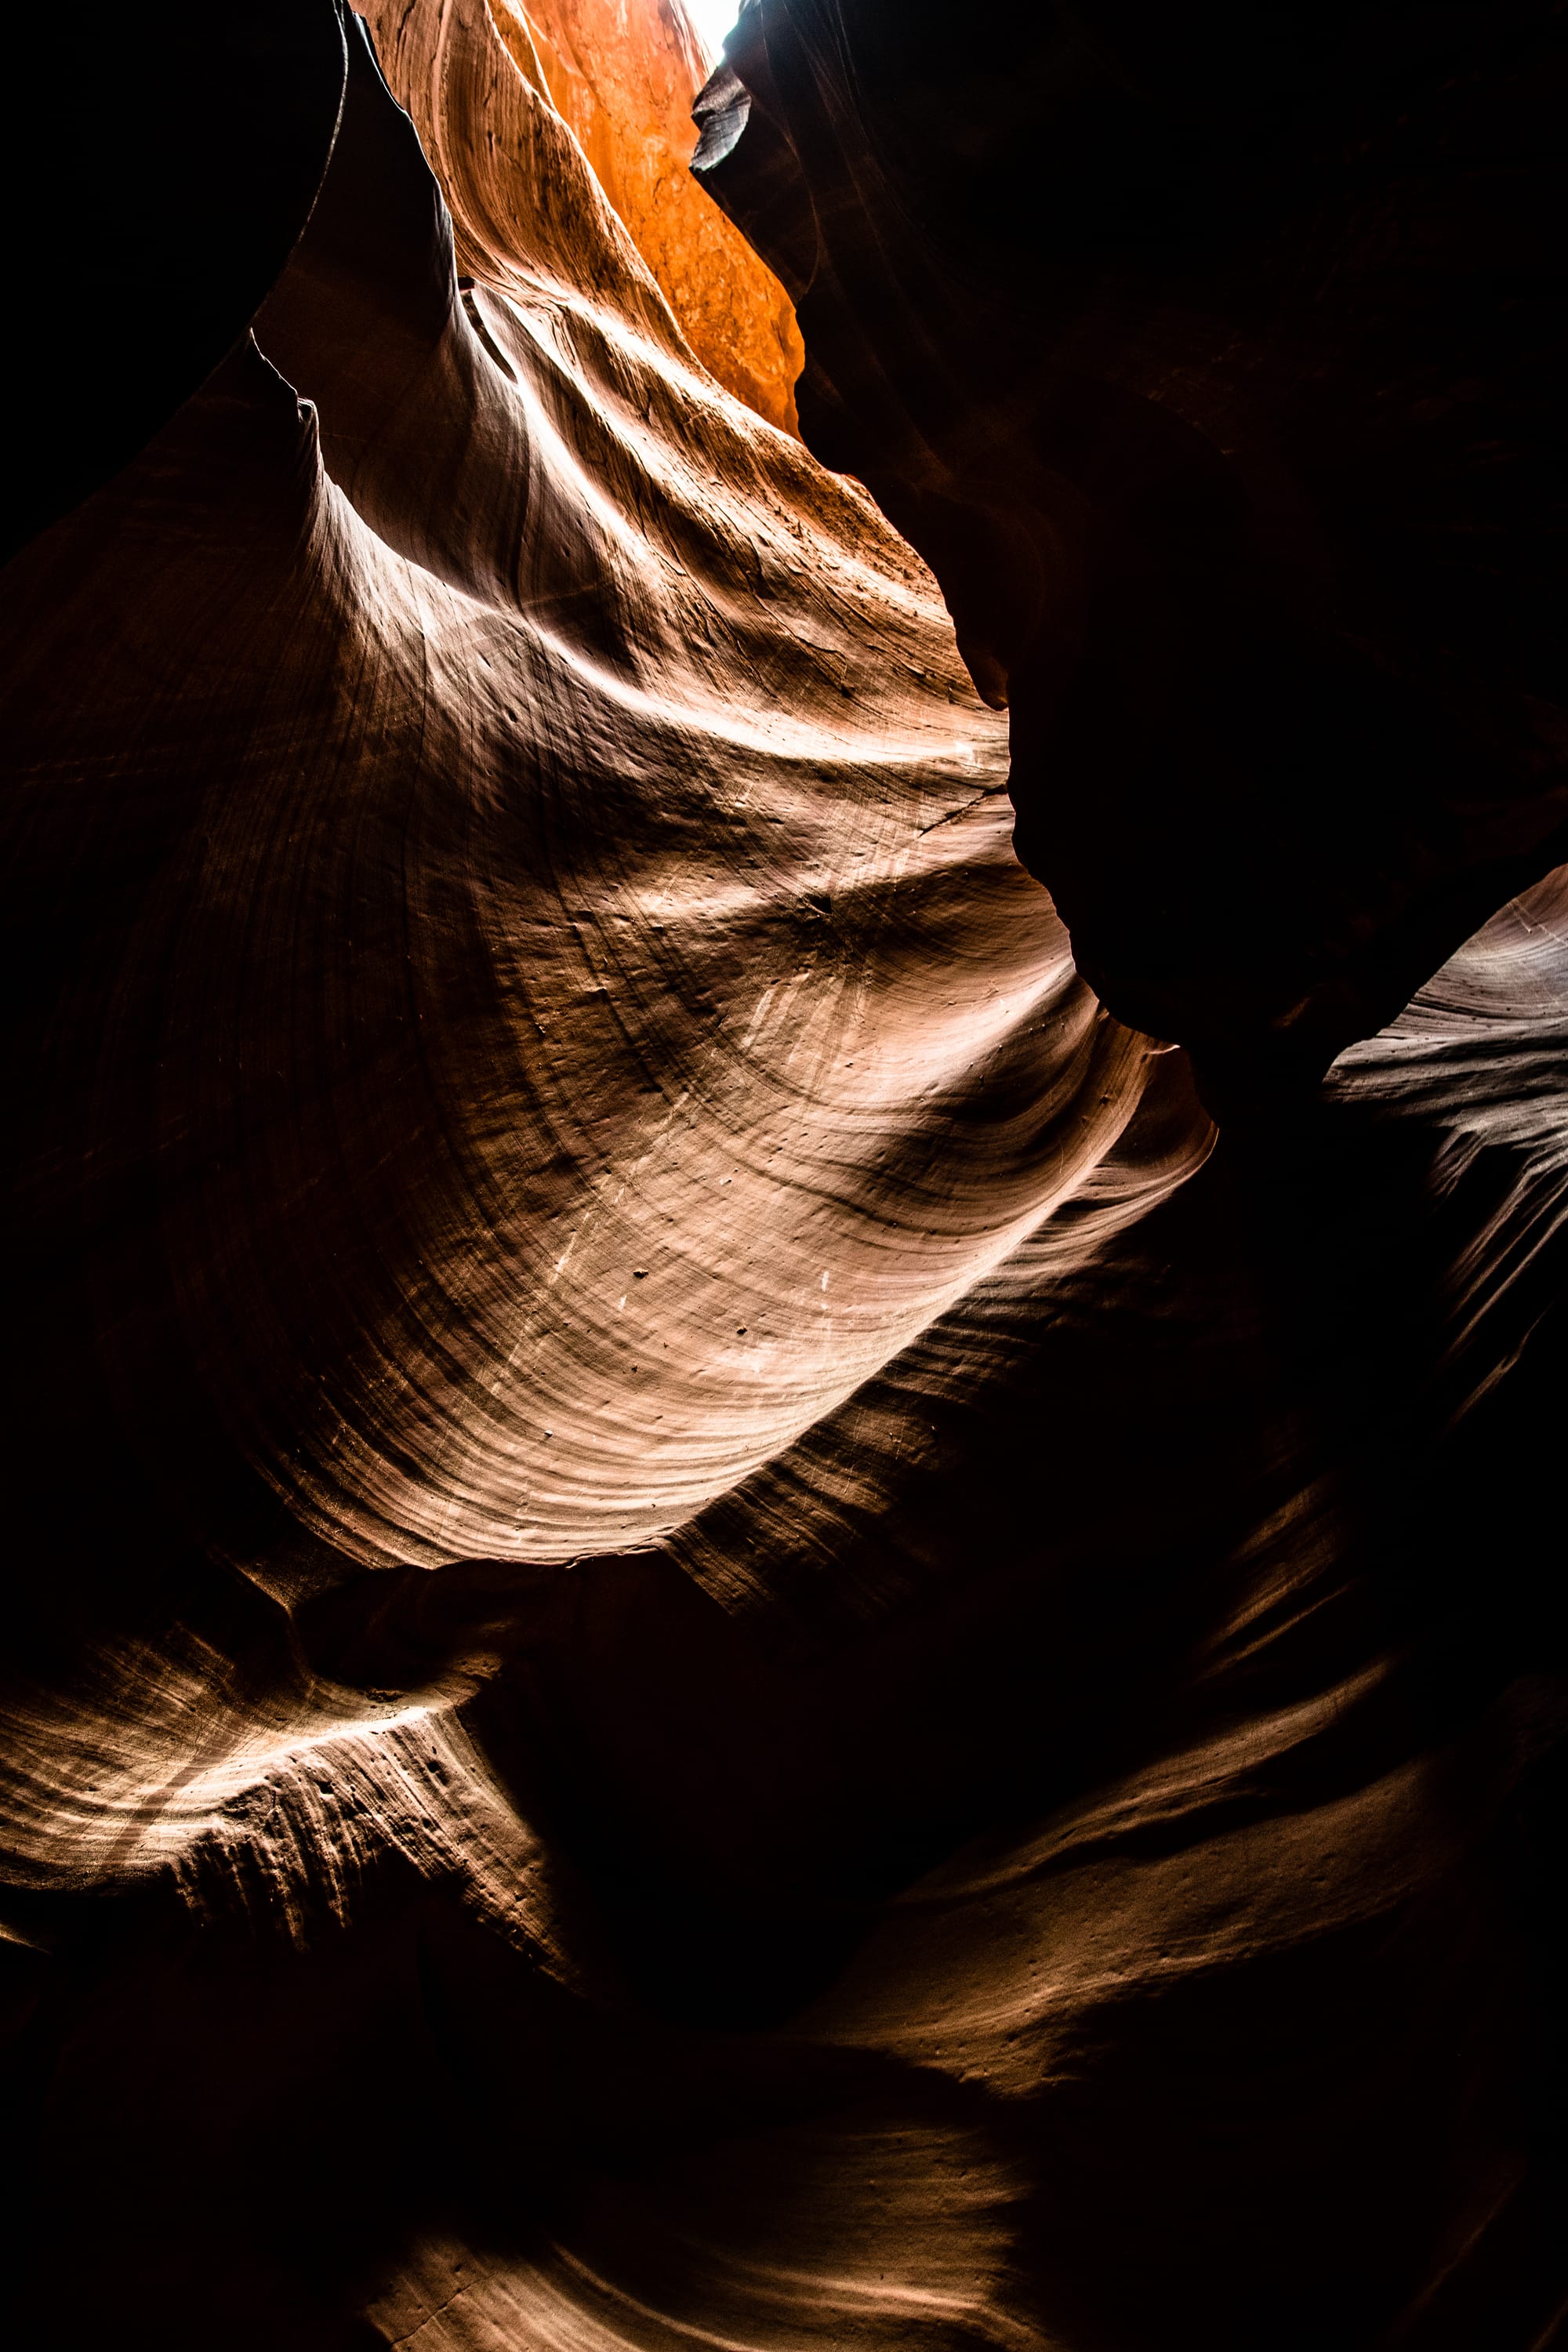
pixel 1213 366
pixel 716 1634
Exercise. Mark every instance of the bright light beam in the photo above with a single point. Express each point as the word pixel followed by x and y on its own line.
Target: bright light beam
pixel 712 19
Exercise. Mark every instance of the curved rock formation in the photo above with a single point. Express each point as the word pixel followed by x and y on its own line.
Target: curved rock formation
pixel 716 1639
pixel 1214 363
pixel 600 1079
pixel 219 121
pixel 625 78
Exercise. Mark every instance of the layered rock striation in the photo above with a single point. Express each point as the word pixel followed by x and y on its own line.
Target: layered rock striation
pixel 624 80
pixel 715 1638
pixel 1213 363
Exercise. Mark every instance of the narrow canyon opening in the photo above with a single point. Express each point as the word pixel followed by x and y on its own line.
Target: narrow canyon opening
pixel 784 821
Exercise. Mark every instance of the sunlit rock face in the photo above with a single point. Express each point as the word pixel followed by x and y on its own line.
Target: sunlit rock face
pixel 1213 359
pixel 623 74
pixel 598 1128
pixel 714 1638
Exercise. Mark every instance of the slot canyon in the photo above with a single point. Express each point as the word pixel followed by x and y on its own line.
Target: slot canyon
pixel 786 839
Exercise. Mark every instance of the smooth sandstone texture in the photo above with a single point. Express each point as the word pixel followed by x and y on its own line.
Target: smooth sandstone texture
pixel 624 77
pixel 716 1640
pixel 1214 360
pixel 570 1123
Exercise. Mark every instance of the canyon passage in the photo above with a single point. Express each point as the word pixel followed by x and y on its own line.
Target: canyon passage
pixel 786 835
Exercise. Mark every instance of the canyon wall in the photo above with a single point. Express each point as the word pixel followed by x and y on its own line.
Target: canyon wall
pixel 624 78
pixel 714 1634
pixel 1215 365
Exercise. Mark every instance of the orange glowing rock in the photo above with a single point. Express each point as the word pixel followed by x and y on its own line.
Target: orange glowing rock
pixel 711 1642
pixel 623 74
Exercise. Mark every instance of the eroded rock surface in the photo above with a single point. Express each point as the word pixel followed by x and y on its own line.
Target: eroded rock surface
pixel 713 1637
pixel 624 78
pixel 1214 361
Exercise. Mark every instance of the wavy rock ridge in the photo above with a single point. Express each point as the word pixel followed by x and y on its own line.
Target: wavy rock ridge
pixel 1213 363
pixel 624 80
pixel 721 1643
